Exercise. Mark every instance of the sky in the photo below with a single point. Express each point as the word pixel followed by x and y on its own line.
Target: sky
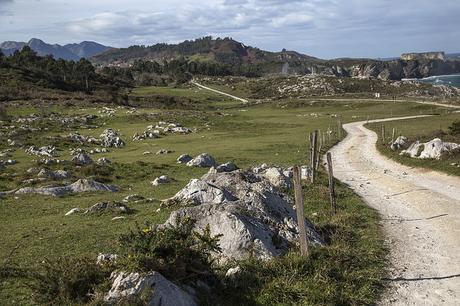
pixel 321 28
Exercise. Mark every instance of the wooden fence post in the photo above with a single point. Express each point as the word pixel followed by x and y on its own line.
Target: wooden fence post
pixel 314 152
pixel 340 129
pixel 318 155
pixel 299 210
pixel 330 172
pixel 393 135
pixel 383 133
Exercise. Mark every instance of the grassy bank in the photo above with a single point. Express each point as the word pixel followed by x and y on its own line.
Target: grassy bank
pixel 422 129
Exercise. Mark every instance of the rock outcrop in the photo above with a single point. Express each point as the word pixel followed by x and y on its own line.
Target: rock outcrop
pixel 82 185
pixel 110 138
pixel 161 291
pixel 434 149
pixel 254 218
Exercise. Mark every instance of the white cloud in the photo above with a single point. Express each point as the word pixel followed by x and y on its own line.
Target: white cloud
pixel 325 28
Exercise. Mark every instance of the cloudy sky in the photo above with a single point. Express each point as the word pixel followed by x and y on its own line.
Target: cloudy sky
pixel 322 28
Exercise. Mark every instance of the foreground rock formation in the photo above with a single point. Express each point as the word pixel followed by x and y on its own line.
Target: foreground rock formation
pixel 163 292
pixel 254 217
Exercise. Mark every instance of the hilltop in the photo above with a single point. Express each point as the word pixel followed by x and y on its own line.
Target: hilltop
pixel 231 53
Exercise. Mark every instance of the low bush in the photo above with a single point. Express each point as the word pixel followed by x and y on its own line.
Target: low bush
pixel 178 252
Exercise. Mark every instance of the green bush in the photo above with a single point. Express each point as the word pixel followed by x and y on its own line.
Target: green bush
pixel 68 281
pixel 177 252
pixel 454 129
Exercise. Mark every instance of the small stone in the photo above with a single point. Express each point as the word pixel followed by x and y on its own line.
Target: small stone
pixel 161 180
pixel 73 211
pixel 118 218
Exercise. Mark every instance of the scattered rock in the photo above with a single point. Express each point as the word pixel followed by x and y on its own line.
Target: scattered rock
pixel 184 158
pixel 49 151
pixel 110 138
pixel 118 218
pixel 103 161
pixel 161 291
pixel 133 198
pixel 82 159
pixel 145 135
pixel 73 211
pixel 147 153
pixel 163 151
pixel 106 258
pixel 103 207
pixel 82 185
pixel 254 218
pixel 161 180
pixel 399 144
pixel 54 175
pixel 203 160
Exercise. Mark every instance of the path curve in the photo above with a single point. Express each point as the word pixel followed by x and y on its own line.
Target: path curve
pixel 219 92
pixel 420 211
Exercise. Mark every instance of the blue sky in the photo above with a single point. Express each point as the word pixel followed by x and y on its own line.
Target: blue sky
pixel 322 28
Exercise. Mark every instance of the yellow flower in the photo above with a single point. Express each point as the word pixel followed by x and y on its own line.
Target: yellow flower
pixel 147 230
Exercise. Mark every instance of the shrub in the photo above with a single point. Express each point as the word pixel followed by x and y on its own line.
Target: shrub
pixel 177 252
pixel 68 281
pixel 454 129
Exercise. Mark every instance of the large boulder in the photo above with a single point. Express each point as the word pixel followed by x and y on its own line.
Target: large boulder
pixel 203 160
pixel 399 144
pixel 161 292
pixel 254 218
pixel 434 149
pixel 110 138
pixel 82 185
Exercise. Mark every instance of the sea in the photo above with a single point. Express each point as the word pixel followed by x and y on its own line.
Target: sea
pixel 451 79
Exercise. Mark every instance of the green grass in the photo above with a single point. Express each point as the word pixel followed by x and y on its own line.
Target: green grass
pixel 422 129
pixel 274 133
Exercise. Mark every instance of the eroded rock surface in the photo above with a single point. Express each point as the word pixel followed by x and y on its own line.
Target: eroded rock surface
pixel 82 185
pixel 254 218
pixel 162 291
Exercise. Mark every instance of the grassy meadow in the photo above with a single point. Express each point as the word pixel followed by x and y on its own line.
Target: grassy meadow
pixel 347 272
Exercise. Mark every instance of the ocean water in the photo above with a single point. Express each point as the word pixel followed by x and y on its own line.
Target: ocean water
pixel 452 80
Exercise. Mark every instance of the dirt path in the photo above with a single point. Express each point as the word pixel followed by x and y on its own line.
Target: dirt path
pixel 420 212
pixel 220 92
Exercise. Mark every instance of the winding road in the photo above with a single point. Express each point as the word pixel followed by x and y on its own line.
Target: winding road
pixel 219 92
pixel 420 212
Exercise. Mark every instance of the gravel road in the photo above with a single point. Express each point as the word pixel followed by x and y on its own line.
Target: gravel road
pixel 420 212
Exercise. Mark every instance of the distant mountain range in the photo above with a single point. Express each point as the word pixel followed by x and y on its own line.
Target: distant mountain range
pixel 231 53
pixel 74 52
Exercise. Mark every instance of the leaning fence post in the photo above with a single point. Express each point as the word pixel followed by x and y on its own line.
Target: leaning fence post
pixel 299 209
pixel 331 183
pixel 314 151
